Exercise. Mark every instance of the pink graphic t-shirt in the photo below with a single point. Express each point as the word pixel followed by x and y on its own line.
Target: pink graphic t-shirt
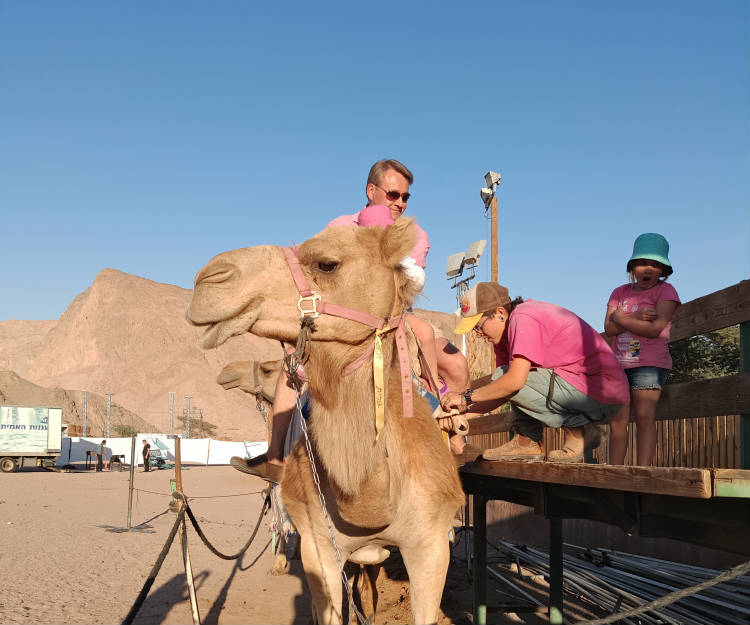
pixel 553 337
pixel 634 350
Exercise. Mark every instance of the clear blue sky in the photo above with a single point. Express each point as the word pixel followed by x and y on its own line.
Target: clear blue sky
pixel 149 136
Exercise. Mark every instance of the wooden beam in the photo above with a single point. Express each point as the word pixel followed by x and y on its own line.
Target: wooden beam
pixel 718 310
pixel 677 481
pixel 491 423
pixel 731 483
pixel 728 395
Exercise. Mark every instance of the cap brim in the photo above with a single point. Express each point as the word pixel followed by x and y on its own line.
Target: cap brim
pixel 467 324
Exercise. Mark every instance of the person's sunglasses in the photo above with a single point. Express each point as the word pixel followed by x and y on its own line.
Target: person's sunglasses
pixel 393 195
pixel 480 323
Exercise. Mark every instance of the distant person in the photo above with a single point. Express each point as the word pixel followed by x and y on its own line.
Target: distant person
pixel 102 458
pixel 146 454
pixel 553 368
pixel 639 317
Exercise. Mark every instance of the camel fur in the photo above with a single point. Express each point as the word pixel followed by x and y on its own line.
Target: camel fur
pixel 400 490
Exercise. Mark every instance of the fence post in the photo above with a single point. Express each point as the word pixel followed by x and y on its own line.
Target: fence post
pixel 745 418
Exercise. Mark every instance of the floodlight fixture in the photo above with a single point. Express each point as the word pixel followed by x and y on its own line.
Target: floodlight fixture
pixel 474 252
pixel 454 265
pixel 487 195
pixel 492 179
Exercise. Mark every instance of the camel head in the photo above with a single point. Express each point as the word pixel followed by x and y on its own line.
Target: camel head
pixel 252 289
pixel 252 376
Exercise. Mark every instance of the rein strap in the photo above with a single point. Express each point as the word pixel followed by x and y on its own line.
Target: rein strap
pixel 310 305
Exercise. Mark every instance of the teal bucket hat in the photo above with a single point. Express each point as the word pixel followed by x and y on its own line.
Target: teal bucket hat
pixel 652 246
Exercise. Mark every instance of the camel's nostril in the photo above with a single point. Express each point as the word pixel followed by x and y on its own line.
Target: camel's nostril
pixel 215 275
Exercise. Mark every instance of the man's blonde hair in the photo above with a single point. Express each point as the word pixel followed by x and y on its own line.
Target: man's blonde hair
pixel 377 171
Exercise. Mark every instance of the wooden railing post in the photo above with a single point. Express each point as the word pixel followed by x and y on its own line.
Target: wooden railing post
pixel 745 418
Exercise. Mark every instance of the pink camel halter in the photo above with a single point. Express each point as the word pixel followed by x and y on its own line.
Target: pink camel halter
pixel 311 304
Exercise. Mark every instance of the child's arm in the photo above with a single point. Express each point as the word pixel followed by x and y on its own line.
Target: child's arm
pixel 645 322
pixel 610 327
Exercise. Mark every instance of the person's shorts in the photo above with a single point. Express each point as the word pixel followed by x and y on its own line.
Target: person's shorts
pixel 646 378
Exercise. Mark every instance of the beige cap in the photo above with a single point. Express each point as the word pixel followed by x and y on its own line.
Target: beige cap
pixel 478 300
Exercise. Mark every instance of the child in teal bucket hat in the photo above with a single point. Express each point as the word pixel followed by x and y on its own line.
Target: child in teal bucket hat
pixel 639 317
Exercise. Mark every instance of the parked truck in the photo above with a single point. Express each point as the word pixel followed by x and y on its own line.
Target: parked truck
pixel 29 436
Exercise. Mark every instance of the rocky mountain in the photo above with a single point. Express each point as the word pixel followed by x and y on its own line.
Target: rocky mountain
pixel 128 336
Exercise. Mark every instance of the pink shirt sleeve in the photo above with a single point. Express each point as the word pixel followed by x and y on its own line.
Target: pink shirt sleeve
pixel 421 247
pixel 344 220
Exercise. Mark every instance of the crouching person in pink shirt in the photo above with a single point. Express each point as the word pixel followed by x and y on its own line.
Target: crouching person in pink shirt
pixel 553 368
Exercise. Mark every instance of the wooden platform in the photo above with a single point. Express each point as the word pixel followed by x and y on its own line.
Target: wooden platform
pixel 707 507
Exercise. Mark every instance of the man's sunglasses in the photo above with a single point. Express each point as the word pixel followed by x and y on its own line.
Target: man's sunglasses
pixel 393 195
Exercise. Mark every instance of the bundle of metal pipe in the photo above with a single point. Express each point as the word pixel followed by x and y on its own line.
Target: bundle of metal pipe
pixel 619 581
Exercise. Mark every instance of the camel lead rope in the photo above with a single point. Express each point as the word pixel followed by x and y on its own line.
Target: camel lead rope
pixel 378 384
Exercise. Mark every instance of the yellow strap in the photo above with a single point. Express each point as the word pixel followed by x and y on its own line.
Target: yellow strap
pixel 377 375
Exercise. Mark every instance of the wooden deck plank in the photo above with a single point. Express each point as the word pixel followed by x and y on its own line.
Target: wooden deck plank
pixel 731 483
pixel 677 481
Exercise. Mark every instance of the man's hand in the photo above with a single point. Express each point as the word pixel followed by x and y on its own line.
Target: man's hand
pixel 453 401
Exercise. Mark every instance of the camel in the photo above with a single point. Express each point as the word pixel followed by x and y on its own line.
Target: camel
pixel 258 378
pixel 399 488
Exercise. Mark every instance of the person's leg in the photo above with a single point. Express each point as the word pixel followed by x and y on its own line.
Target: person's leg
pixel 284 404
pixel 426 336
pixel 618 435
pixel 644 411
pixel 452 365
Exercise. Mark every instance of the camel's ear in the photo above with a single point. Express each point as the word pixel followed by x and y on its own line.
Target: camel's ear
pixel 398 240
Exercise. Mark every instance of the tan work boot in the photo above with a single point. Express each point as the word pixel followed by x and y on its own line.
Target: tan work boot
pixel 573 446
pixel 518 448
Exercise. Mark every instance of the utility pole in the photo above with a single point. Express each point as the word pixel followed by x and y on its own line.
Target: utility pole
pixel 85 405
pixel 489 197
pixel 109 407
pixel 171 412
pixel 493 232
pixel 187 417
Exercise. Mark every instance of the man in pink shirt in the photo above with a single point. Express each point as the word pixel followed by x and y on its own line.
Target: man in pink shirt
pixel 553 368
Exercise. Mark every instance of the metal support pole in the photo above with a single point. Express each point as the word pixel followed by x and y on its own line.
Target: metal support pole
pixel 171 412
pixel 493 221
pixel 109 408
pixel 187 417
pixel 555 571
pixel 479 568
pixel 85 405
pixel 132 474
pixel 745 418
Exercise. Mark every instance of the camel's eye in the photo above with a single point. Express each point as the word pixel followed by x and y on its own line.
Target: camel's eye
pixel 327 267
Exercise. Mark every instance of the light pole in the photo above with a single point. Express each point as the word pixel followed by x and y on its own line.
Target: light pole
pixel 187 417
pixel 455 267
pixel 109 407
pixel 489 197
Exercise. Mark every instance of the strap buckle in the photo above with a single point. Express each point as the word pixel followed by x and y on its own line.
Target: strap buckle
pixel 313 301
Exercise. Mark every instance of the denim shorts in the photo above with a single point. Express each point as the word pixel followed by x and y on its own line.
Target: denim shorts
pixel 646 378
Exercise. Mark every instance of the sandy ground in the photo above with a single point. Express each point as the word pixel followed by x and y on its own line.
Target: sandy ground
pixel 65 557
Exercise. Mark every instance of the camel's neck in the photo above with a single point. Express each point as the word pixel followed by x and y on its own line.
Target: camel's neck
pixel 343 418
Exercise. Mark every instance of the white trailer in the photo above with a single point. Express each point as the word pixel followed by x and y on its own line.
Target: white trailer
pixel 29 436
